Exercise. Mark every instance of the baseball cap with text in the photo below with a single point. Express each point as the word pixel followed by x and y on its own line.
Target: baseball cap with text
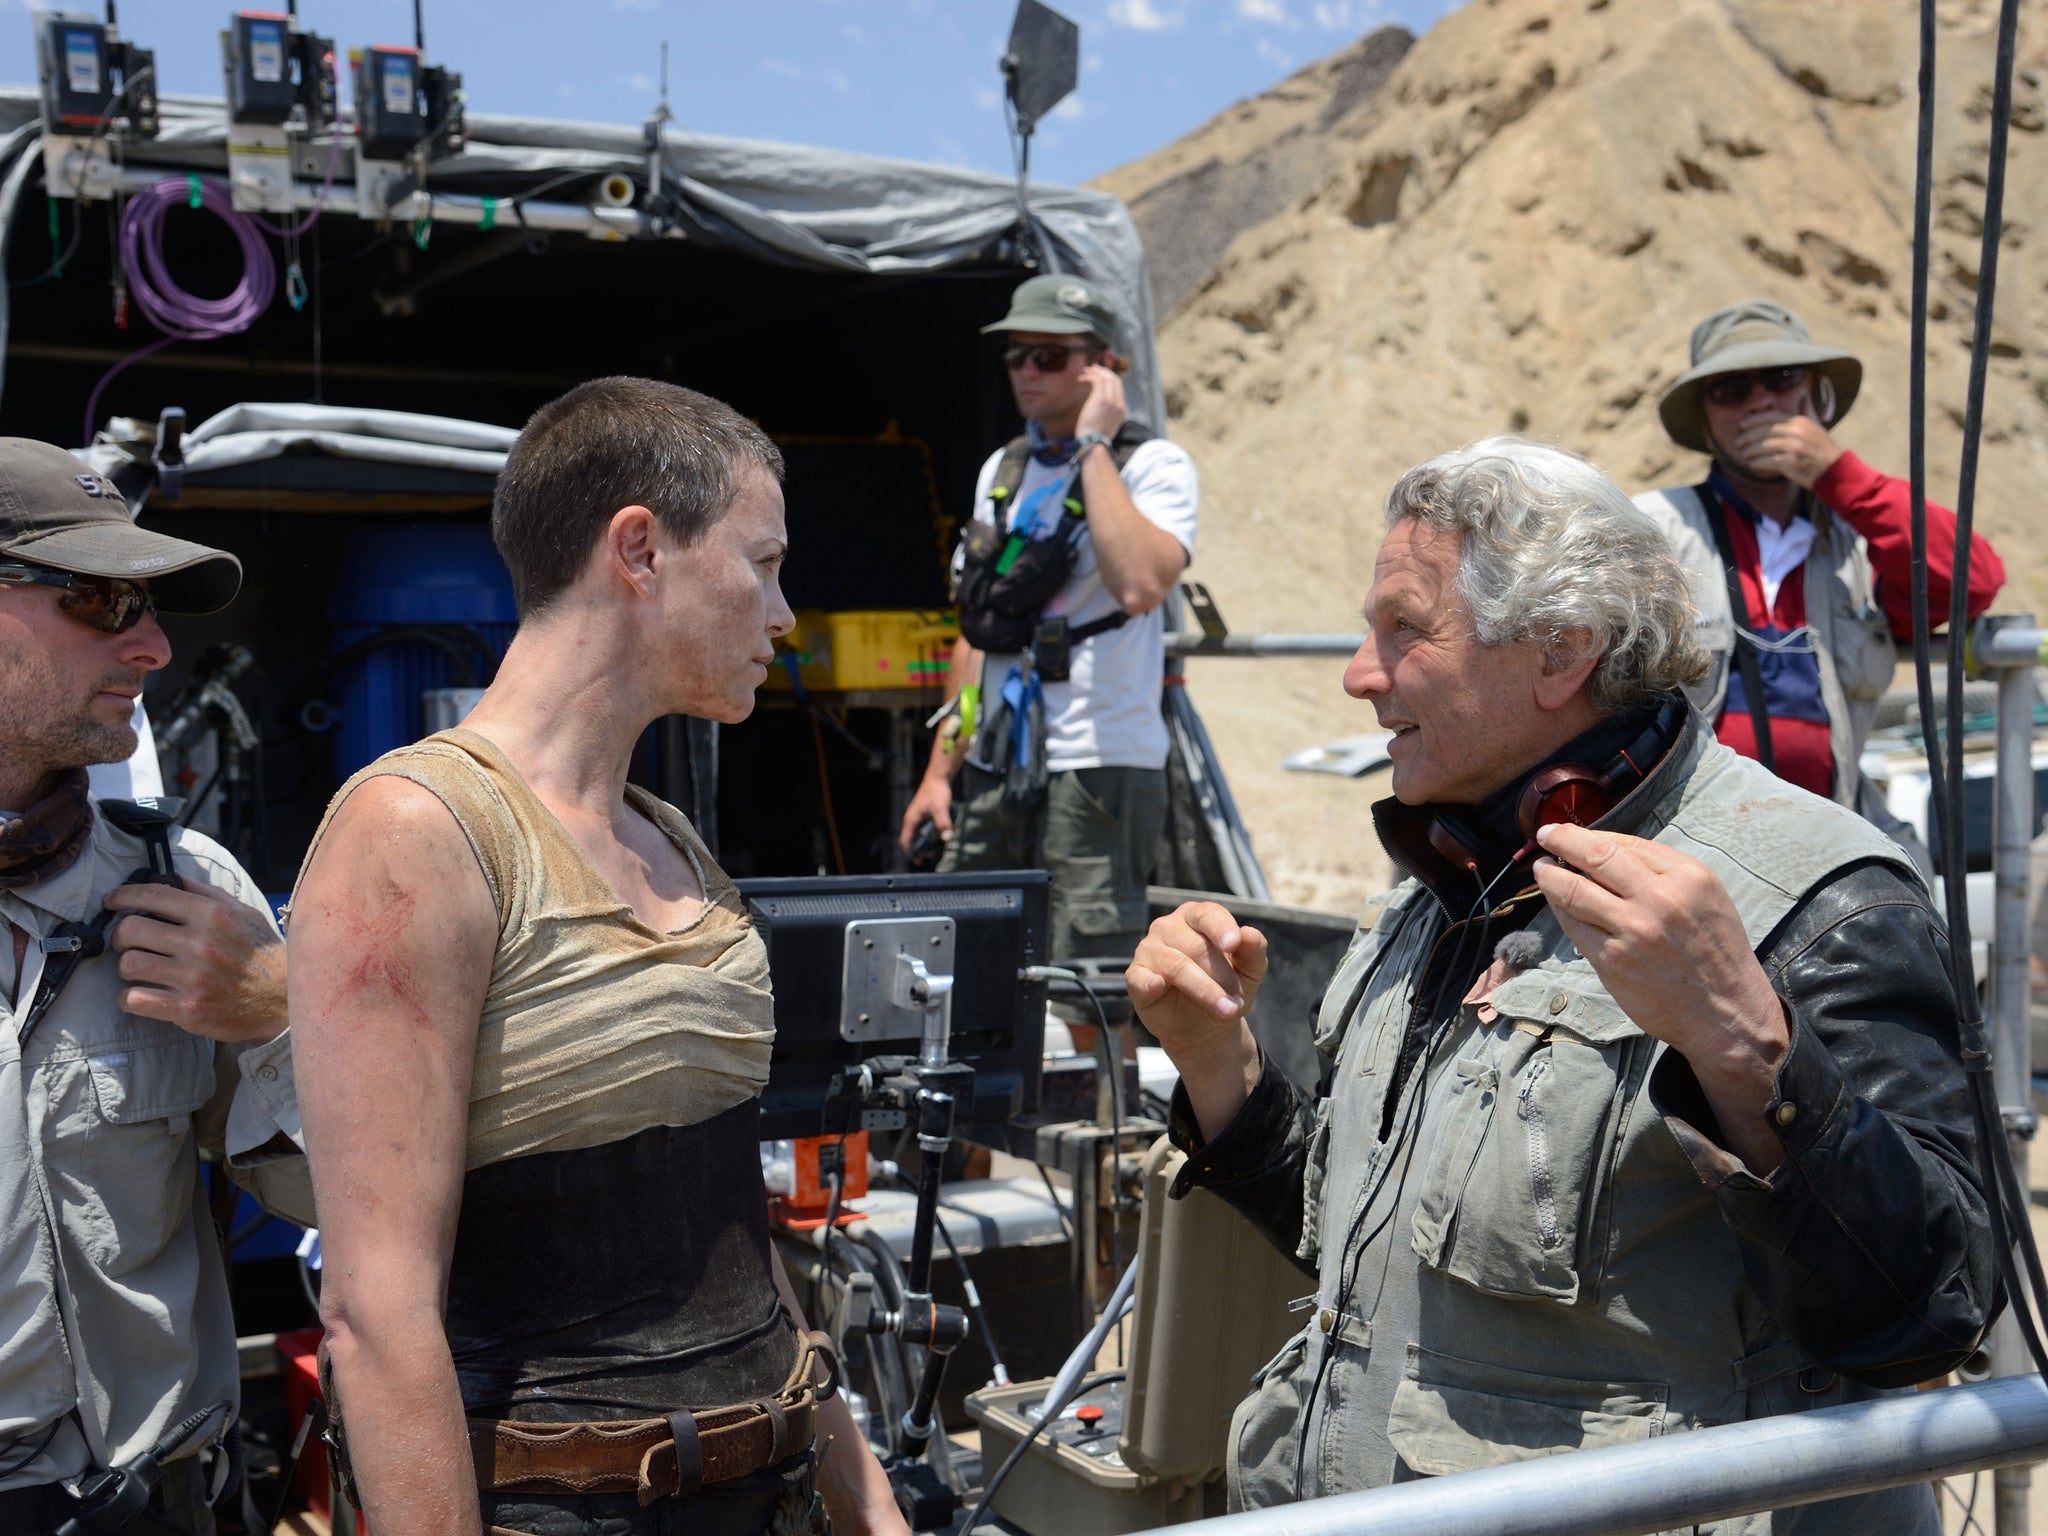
pixel 57 511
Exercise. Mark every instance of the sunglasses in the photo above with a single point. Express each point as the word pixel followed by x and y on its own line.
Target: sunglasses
pixel 104 603
pixel 1046 359
pixel 1734 388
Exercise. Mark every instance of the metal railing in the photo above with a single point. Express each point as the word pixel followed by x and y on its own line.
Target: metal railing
pixel 1679 1480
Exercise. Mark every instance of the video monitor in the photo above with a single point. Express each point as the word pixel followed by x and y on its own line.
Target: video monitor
pixel 992 925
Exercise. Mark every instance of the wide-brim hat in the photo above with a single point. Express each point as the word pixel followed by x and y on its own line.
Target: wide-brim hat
pixel 1059 304
pixel 57 511
pixel 1752 335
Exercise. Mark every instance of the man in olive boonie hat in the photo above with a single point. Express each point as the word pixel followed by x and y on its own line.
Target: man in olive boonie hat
pixel 1799 553
pixel 1081 529
pixel 134 1011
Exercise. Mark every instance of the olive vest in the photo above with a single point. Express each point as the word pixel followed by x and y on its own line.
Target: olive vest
pixel 1534 1265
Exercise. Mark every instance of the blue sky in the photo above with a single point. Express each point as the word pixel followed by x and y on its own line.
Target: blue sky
pixel 916 78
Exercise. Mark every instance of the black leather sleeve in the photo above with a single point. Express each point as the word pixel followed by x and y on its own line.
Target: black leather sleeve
pixel 1258 1162
pixel 1871 1243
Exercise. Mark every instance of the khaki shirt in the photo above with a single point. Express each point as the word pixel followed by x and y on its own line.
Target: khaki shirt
pixel 114 1316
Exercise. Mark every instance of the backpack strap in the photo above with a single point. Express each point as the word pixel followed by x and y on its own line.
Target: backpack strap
pixel 1009 475
pixel 70 945
pixel 1738 613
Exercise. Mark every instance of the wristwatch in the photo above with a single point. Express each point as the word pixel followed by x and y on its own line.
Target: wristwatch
pixel 1087 441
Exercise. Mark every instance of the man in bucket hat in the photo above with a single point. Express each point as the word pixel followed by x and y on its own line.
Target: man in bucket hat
pixel 1067 770
pixel 1799 554
pixel 131 1011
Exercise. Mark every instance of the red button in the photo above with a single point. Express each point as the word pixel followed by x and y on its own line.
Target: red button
pixel 1089 1413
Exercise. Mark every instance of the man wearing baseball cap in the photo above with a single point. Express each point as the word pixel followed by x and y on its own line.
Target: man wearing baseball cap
pixel 1081 530
pixel 1799 554
pixel 132 1010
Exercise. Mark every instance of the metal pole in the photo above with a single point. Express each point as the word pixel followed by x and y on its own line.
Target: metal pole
pixel 1263 645
pixel 1679 1480
pixel 2012 1046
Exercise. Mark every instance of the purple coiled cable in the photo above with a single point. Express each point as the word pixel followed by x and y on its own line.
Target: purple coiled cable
pixel 183 316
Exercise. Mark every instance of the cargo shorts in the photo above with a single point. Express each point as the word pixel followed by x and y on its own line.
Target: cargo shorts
pixel 1097 832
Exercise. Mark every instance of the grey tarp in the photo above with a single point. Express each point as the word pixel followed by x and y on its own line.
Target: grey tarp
pixel 790 204
pixel 246 433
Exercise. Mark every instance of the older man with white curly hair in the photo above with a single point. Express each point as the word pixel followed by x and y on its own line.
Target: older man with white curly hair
pixel 1642 1106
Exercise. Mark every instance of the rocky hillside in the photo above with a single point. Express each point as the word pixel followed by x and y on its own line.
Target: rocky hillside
pixel 1515 230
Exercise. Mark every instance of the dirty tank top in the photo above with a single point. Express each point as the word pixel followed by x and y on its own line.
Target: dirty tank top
pixel 612 1253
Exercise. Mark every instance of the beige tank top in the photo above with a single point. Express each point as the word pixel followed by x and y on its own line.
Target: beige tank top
pixel 595 1027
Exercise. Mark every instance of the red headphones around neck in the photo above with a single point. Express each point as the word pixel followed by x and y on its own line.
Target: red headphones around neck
pixel 1569 792
pixel 1564 792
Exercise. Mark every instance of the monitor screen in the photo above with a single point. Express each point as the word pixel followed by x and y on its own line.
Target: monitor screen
pixel 998 1022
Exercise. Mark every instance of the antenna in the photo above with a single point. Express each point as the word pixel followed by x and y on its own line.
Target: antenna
pixel 650 136
pixel 1040 68
pixel 112 23
pixel 419 27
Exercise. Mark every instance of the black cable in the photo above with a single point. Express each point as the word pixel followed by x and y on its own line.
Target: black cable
pixel 887 1269
pixel 99 132
pixel 968 1289
pixel 1016 1455
pixel 1351 1256
pixel 825 1246
pixel 2006 1199
pixel 29 1452
pixel 1053 1194
pixel 1109 1051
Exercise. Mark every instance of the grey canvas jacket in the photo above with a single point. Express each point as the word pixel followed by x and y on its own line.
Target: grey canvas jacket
pixel 114 1319
pixel 1539 1245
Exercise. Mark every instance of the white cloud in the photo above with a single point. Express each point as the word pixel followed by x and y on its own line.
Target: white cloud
pixel 636 5
pixel 1070 108
pixel 640 83
pixel 1344 15
pixel 1143 16
pixel 783 69
pixel 837 80
pixel 987 97
pixel 1273 12
pixel 1274 54
pixel 1091 63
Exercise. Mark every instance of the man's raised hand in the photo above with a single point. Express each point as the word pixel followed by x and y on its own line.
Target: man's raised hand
pixel 1192 981
pixel 196 957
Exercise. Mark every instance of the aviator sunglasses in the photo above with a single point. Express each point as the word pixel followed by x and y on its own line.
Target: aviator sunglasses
pixel 1049 358
pixel 1734 388
pixel 106 603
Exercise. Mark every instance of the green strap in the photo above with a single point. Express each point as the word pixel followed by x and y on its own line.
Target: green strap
pixel 56 240
pixel 193 197
pixel 490 218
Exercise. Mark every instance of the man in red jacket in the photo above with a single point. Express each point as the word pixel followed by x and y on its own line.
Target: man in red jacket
pixel 1799 554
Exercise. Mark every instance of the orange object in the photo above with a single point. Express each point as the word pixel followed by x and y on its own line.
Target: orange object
pixel 1089 1413
pixel 299 1353
pixel 817 1157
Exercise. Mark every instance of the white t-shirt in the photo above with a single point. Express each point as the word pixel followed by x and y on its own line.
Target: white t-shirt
pixel 1106 715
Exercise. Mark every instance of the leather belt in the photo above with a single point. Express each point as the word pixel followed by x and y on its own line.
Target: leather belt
pixel 671 1457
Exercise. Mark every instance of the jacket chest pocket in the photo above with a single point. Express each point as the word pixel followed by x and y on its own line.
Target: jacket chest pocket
pixel 1865 655
pixel 133 1197
pixel 1516 1170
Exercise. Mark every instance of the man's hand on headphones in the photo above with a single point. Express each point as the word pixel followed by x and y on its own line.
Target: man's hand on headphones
pixel 1104 409
pixel 200 959
pixel 1797 447
pixel 1666 941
